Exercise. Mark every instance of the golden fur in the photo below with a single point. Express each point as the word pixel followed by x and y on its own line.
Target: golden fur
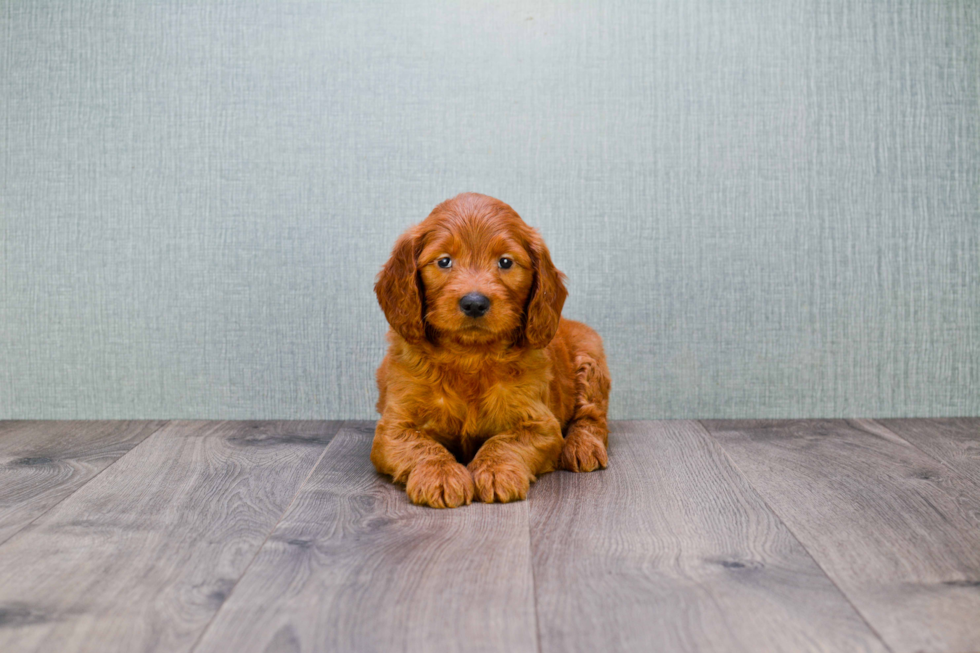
pixel 511 395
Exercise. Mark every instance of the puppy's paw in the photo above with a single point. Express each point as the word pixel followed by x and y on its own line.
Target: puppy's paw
pixel 440 484
pixel 583 452
pixel 500 480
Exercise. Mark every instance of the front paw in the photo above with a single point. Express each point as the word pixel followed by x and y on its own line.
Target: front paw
pixel 583 452
pixel 440 484
pixel 500 480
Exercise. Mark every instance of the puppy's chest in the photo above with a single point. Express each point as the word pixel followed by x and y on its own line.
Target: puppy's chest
pixel 475 406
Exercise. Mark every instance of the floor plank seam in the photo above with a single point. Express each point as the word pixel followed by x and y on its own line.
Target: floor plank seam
pixel 771 509
pixel 97 475
pixel 955 472
pixel 534 581
pixel 272 530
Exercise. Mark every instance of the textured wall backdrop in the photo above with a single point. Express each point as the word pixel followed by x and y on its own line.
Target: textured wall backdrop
pixel 766 208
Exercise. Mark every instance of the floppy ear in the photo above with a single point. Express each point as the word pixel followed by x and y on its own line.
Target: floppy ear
pixel 546 298
pixel 399 288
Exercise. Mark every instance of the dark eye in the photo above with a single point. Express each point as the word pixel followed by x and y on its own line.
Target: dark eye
pixel 445 262
pixel 505 263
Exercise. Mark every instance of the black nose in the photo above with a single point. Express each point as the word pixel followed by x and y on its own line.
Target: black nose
pixel 474 304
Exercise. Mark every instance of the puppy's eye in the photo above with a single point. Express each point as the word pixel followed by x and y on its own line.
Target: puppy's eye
pixel 505 263
pixel 445 262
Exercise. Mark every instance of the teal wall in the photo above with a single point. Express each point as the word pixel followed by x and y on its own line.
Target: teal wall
pixel 768 209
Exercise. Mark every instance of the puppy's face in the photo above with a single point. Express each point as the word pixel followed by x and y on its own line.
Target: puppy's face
pixel 474 272
pixel 477 276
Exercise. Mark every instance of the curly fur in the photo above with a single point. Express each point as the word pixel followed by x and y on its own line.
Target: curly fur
pixel 480 407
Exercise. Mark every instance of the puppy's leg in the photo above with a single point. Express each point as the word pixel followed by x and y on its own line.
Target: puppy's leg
pixel 506 465
pixel 588 433
pixel 431 475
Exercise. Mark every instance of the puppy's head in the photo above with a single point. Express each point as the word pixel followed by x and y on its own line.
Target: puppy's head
pixel 475 273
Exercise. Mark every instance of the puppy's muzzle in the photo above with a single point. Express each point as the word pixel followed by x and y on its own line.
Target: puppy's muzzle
pixel 474 304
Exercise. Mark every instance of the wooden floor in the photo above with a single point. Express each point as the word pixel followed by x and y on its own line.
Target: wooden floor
pixel 701 536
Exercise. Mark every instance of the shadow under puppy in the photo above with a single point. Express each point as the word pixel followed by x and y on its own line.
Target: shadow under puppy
pixel 485 386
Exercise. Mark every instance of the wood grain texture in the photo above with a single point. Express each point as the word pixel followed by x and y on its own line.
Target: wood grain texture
pixel 897 531
pixel 41 463
pixel 142 556
pixel 953 441
pixel 353 566
pixel 669 549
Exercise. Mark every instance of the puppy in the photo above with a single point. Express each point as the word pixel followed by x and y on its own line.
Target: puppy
pixel 485 386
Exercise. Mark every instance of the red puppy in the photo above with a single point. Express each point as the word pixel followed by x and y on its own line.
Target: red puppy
pixel 482 370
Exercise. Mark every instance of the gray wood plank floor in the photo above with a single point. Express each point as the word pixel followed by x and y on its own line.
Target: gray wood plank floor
pixel 897 531
pixel 141 557
pixel 44 462
pixel 953 442
pixel 279 536
pixel 697 561
pixel 353 566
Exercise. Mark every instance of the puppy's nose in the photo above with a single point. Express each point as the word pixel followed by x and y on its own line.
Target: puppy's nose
pixel 474 304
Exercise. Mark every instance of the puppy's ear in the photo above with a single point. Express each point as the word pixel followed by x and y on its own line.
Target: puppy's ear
pixel 547 295
pixel 399 288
